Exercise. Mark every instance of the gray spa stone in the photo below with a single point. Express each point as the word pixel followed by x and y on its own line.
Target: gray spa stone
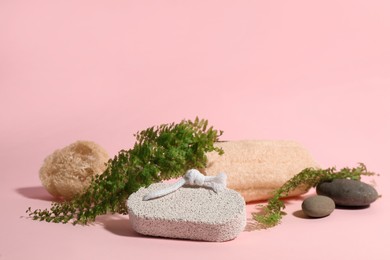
pixel 347 192
pixel 318 206
pixel 194 213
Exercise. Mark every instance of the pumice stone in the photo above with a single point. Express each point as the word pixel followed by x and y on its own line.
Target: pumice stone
pixel 195 212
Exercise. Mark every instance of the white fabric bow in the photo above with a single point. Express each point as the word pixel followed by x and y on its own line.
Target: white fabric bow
pixel 192 178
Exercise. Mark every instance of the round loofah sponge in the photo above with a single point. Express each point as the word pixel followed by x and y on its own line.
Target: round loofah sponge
pixel 68 171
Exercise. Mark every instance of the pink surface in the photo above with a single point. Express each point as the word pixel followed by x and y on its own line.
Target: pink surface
pixel 318 73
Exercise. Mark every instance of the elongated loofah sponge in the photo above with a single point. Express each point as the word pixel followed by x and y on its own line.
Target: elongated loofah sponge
pixel 194 213
pixel 68 171
pixel 257 168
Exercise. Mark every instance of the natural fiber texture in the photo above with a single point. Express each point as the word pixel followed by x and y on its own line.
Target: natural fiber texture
pixel 257 168
pixel 68 171
pixel 194 213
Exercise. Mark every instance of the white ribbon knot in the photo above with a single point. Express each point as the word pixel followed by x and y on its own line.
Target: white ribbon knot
pixel 192 178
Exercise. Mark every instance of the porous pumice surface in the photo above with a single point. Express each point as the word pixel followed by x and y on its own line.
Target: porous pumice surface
pixel 194 213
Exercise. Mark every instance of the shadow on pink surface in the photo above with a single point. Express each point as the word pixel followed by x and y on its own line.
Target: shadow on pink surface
pixel 118 225
pixel 36 193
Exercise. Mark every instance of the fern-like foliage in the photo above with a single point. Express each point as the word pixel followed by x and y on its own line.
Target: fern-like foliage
pixel 272 213
pixel 159 153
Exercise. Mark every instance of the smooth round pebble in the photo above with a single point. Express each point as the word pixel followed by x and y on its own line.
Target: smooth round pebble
pixel 318 206
pixel 346 192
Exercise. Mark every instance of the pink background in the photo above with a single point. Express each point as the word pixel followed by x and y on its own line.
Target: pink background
pixel 100 70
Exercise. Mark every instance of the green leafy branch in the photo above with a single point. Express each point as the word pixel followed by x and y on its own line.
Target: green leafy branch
pixel 159 153
pixel 272 213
